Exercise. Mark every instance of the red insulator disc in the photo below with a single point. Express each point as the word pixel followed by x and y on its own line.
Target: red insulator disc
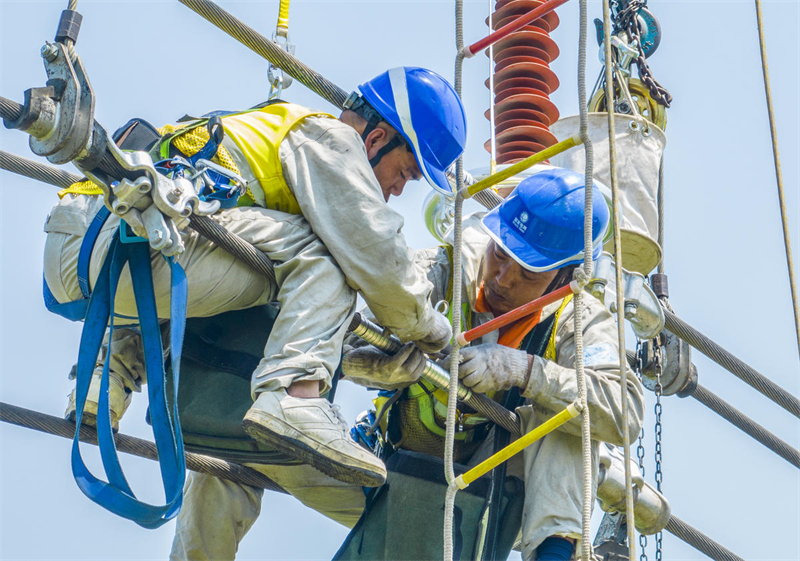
pixel 533 70
pixel 529 101
pixel 512 52
pixel 527 38
pixel 527 115
pixel 514 157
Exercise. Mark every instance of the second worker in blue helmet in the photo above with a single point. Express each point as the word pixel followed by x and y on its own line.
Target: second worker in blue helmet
pixel 315 203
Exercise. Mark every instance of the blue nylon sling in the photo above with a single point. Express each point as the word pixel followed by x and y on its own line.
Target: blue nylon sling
pixel 116 494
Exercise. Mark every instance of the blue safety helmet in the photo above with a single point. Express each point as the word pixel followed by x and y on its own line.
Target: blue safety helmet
pixel 425 109
pixel 540 224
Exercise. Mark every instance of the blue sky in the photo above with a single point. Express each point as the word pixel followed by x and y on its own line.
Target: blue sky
pixel 724 249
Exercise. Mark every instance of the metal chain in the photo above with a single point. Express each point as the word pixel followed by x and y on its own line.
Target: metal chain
pixel 627 20
pixel 640 447
pixel 659 476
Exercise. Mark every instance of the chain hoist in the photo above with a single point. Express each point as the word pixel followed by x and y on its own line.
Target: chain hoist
pixel 628 20
pixel 635 36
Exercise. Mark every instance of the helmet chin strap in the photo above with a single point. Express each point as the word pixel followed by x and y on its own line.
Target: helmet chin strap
pixel 362 108
pixel 398 140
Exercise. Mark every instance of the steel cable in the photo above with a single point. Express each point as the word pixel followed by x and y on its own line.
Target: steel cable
pixel 203 225
pixel 747 425
pixel 773 130
pixel 10 110
pixel 746 373
pixel 268 50
pixel 49 424
pixel 35 170
pixel 699 540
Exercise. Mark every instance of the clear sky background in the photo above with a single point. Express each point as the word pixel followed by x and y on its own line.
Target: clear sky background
pixel 724 249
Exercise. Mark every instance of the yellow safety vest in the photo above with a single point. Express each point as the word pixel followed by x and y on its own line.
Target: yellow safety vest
pixel 257 133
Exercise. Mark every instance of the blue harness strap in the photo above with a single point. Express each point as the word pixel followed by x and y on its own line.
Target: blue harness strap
pixel 116 494
pixel 76 310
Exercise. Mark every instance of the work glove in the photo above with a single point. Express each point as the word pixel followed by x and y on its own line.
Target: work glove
pixel 491 367
pixel 438 337
pixel 369 366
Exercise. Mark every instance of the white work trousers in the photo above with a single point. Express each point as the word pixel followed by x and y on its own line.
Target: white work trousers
pixel 316 302
pixel 217 513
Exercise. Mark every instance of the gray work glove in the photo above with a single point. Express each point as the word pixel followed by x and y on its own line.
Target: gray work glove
pixel 492 367
pixel 369 366
pixel 438 337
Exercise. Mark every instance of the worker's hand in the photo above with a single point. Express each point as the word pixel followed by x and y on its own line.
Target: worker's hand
pixel 438 337
pixel 492 367
pixel 369 366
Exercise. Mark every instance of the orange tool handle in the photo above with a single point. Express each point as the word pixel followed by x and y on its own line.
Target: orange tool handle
pixel 515 314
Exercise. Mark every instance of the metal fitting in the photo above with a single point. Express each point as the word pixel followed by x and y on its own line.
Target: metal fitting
pixel 651 509
pixel 642 308
pixel 49 52
pixel 438 212
pixel 678 374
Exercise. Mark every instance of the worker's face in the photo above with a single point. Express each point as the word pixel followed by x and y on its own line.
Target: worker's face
pixel 506 285
pixel 396 168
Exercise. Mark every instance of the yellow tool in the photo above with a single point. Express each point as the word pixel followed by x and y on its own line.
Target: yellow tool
pixel 572 411
pixel 520 166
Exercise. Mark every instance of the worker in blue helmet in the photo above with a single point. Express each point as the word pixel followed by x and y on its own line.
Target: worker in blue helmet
pixel 526 247
pixel 314 202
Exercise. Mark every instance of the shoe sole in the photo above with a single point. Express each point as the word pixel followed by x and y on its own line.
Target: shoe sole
pixel 256 425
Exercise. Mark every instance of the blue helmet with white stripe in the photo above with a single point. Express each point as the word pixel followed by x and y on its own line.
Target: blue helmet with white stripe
pixel 425 109
pixel 540 224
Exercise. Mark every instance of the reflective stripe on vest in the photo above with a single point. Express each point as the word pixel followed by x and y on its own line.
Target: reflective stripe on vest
pixel 258 135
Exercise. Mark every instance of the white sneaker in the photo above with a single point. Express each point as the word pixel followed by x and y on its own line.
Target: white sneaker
pixel 119 398
pixel 314 431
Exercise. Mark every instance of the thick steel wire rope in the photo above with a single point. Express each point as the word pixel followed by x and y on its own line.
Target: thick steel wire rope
pixel 747 425
pixel 773 130
pixel 35 170
pixel 617 217
pixel 699 540
pixel 203 225
pixel 253 40
pixel 582 275
pixel 744 372
pixel 49 424
pixel 738 419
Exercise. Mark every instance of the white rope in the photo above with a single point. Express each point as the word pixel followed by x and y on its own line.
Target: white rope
pixel 582 276
pixel 452 398
pixel 623 363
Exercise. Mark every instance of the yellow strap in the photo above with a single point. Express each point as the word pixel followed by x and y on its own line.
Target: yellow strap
pixel 572 410
pixel 283 18
pixel 550 353
pixel 81 188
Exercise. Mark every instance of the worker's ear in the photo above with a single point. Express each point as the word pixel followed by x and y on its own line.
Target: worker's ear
pixel 375 141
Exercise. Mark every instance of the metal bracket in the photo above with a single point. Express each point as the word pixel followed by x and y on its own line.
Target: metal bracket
pixel 678 374
pixel 642 307
pixel 60 116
